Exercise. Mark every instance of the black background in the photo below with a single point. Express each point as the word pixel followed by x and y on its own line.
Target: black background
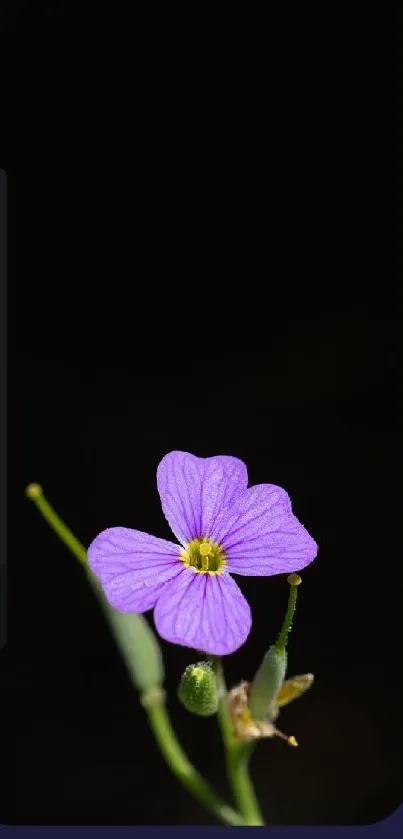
pixel 152 228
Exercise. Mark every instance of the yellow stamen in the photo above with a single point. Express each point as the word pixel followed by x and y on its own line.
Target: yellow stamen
pixel 205 556
pixel 290 740
pixel 206 548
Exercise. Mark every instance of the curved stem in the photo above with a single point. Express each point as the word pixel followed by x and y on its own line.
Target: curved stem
pixel 237 757
pixel 183 769
pixel 153 702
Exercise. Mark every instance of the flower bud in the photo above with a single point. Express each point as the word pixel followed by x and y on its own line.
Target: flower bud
pixel 267 683
pixel 198 689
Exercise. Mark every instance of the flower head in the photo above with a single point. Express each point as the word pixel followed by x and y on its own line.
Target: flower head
pixel 223 528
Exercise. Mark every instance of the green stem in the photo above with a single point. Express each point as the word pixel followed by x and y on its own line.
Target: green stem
pixel 153 702
pixel 34 492
pixel 294 581
pixel 183 769
pixel 237 757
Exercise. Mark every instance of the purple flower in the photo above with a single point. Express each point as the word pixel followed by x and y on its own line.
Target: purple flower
pixel 223 528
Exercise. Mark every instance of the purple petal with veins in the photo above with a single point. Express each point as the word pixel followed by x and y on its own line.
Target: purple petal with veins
pixel 208 613
pixel 193 491
pixel 133 567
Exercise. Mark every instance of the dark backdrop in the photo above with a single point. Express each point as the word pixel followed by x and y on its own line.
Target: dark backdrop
pixel 145 316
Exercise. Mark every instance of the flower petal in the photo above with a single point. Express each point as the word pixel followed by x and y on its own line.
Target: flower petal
pixel 261 536
pixel 206 612
pixel 193 490
pixel 133 567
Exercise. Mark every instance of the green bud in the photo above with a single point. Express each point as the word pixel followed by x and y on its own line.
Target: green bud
pixel 267 683
pixel 198 689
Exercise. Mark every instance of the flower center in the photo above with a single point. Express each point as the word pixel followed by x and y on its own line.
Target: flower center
pixel 204 556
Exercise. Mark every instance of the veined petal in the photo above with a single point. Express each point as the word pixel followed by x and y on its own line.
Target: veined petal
pixel 208 613
pixel 133 567
pixel 261 536
pixel 193 491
